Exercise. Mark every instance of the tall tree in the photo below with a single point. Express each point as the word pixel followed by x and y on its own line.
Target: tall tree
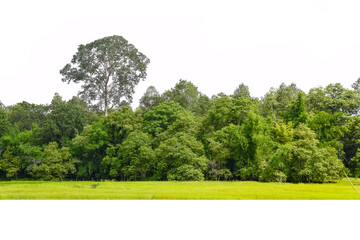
pixel 276 102
pixel 334 98
pixel 185 93
pixel 150 99
pixel 297 113
pixel 242 91
pixel 65 120
pixel 3 122
pixel 109 68
pixel 25 115
pixel 160 117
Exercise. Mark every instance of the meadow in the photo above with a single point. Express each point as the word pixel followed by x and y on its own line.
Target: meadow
pixel 176 190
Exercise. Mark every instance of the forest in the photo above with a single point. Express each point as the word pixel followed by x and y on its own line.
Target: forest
pixel 183 135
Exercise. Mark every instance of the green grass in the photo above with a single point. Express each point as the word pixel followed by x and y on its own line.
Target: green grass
pixel 176 190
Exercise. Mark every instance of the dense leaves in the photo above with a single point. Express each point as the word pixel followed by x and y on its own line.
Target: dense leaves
pixel 3 122
pixel 183 135
pixel 56 164
pixel 109 69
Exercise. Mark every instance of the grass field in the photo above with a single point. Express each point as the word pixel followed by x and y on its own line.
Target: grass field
pixel 176 190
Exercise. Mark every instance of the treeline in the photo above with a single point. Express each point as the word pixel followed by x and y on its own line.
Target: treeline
pixel 182 134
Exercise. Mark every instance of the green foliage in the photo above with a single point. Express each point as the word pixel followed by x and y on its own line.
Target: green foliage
pixel 185 93
pixel 10 163
pixel 109 68
pixel 90 149
pixel 21 145
pixel 98 145
pixel 246 145
pixel 120 123
pixel 173 153
pixel 218 161
pixel 3 122
pixel 160 117
pixel 202 105
pixel 277 168
pixel 297 113
pixel 311 163
pixel 276 102
pixel 242 91
pixel 25 115
pixel 185 122
pixel 131 160
pixel 151 98
pixel 354 164
pixel 181 135
pixel 340 99
pixel 185 173
pixel 64 122
pixel 220 114
pixel 329 129
pixel 137 156
pixel 351 141
pixel 283 132
pixel 56 165
pixel 334 98
pixel 356 85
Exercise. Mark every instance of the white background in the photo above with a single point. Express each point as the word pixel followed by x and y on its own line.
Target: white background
pixel 215 44
pixel 179 220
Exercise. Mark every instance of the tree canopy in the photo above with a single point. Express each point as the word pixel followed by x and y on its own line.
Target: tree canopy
pixel 183 135
pixel 109 69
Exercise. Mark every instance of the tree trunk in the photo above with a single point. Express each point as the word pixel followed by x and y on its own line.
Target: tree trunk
pixel 106 110
pixel 106 100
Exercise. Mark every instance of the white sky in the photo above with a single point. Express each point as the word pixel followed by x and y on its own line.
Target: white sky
pixel 214 44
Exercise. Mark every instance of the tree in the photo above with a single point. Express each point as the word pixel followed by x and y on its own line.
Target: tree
pixel 120 123
pixel 185 93
pixel 3 122
pixel 109 68
pixel 180 158
pixel 136 155
pixel 150 99
pixel 220 114
pixel 334 98
pixel 356 85
pixel 65 120
pixel 10 163
pixel 21 145
pixel 283 132
pixel 297 113
pixel 351 141
pixel 202 105
pixel 310 163
pixel 242 91
pixel 276 102
pixel 277 168
pixel 354 164
pixel 25 115
pixel 316 100
pixel 56 165
pixel 329 128
pixel 218 156
pixel 340 99
pixel 90 148
pixel 160 117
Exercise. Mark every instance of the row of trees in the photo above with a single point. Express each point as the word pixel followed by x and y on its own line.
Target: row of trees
pixel 182 134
